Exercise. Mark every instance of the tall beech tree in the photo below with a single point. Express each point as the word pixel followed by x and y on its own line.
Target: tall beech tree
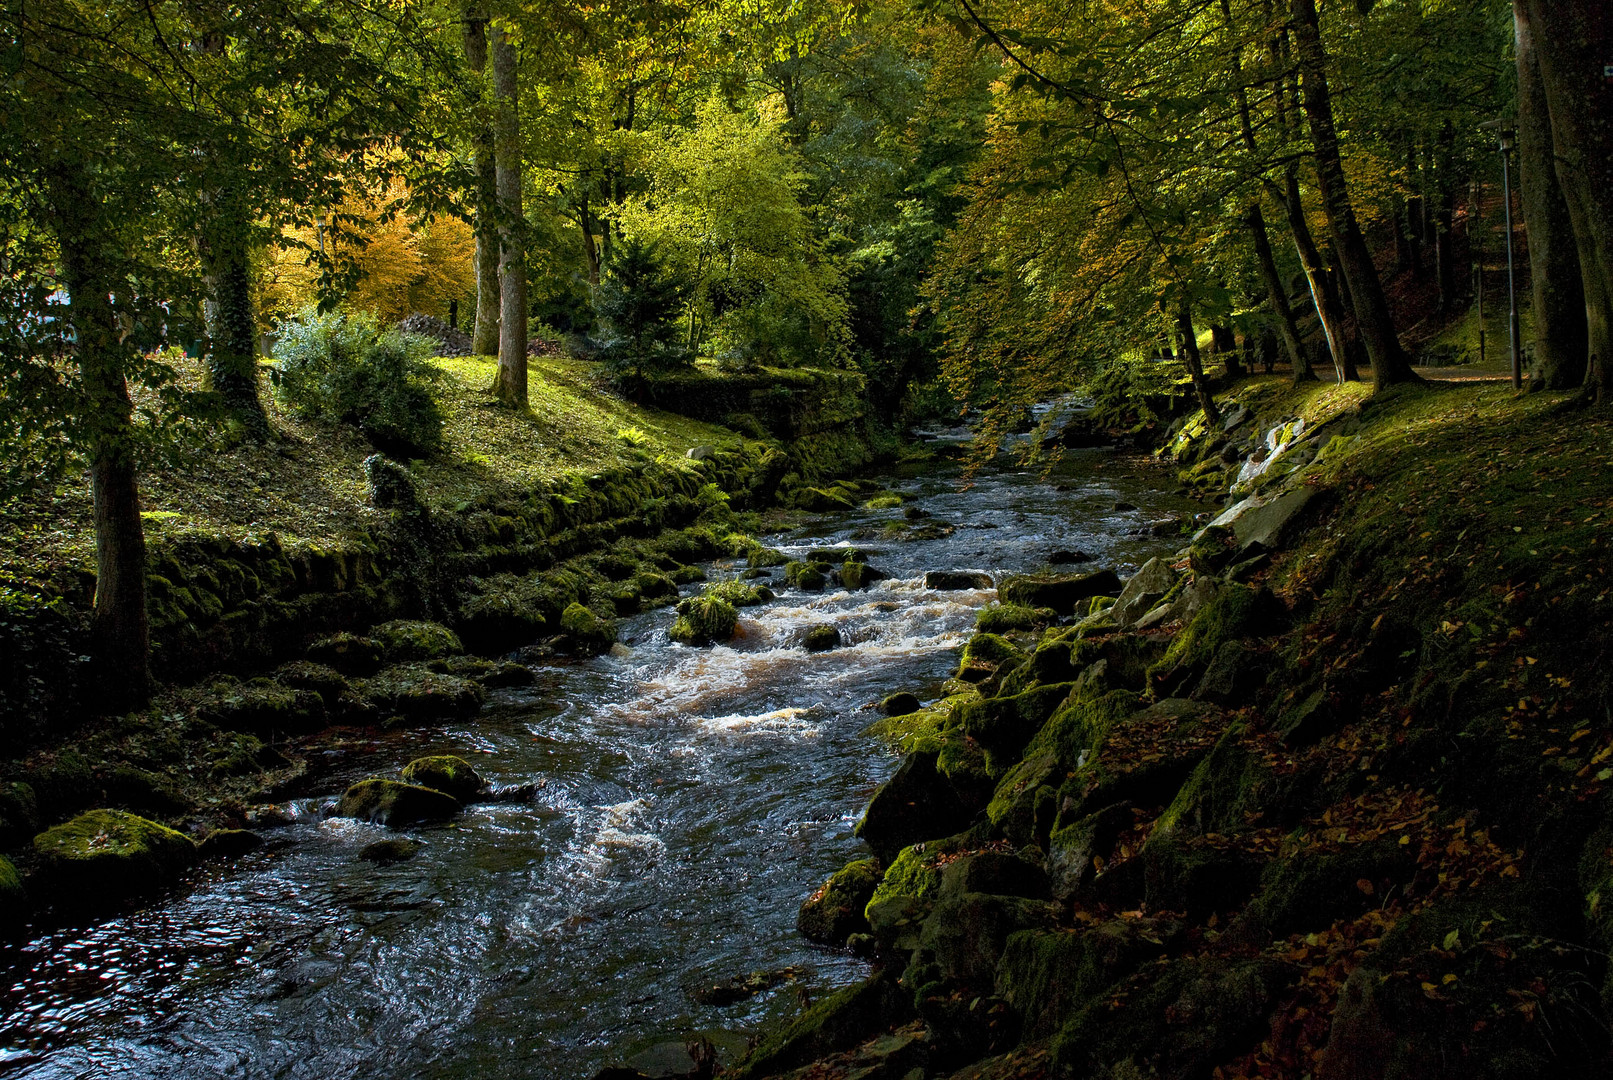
pixel 510 382
pixel 484 338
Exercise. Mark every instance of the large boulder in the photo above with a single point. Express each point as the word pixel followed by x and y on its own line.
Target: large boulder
pixel 104 856
pixel 1062 593
pixel 915 804
pixel 835 911
pixel 1270 523
pixel 1143 590
pixel 395 805
pixel 446 773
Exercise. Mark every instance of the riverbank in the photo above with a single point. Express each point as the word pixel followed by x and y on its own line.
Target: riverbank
pixel 309 584
pixel 1326 794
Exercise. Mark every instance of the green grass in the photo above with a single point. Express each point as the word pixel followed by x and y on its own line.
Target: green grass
pixel 309 486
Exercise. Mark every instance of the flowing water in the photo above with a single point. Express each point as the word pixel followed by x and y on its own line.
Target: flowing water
pixel 690 799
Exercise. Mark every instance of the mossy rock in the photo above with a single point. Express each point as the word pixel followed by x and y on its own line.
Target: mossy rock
pixel 999 873
pixel 857 576
pixel 821 638
pixel 915 804
pixel 1142 757
pixel 912 884
pixel 1004 726
pixel 1026 800
pixel 264 708
pixel 446 773
pixel 585 630
pixel 1050 975
pixel 901 703
pixel 808 577
pixel 395 805
pixel 405 640
pixel 325 681
pixel 834 556
pixel 1013 618
pixel 14 899
pixel 703 620
pixel 416 693
pixel 740 594
pixel 239 754
pixel 506 674
pixel 966 934
pixel 103 857
pixel 655 587
pixel 823 500
pixel 1234 612
pixel 838 1022
pixel 1307 890
pixel 1224 787
pixel 1197 877
pixel 350 654
pixel 1178 1019
pixel 1062 593
pixel 835 911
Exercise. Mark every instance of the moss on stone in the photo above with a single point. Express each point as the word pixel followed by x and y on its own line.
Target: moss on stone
pixel 809 577
pixel 105 856
pixel 1235 611
pixel 1223 788
pixel 703 620
pixel 1011 618
pixel 415 693
pixel 836 910
pixel 446 773
pixel 1003 726
pixel 395 805
pixel 403 640
pixel 586 630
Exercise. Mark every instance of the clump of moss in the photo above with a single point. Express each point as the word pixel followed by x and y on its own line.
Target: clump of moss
pixel 740 593
pixel 403 640
pixel 446 773
pixel 587 631
pixel 1011 618
pixel 703 620
pixel 811 577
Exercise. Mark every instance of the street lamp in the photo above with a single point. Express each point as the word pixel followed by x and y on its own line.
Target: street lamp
pixel 1504 140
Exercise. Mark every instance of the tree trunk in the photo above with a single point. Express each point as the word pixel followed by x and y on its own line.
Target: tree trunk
pixel 1559 295
pixel 1444 220
pixel 1195 367
pixel 1414 217
pixel 1375 324
pixel 484 331
pixel 232 355
pixel 1573 40
pixel 118 623
pixel 1277 295
pixel 1325 298
pixel 510 384
pixel 590 247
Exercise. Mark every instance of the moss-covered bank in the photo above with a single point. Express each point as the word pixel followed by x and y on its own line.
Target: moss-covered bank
pixel 1331 798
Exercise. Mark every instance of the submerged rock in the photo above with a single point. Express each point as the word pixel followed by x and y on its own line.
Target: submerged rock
pixel 228 843
pixel 956 580
pixel 388 852
pixel 393 804
pixel 1062 556
pixel 739 988
pixel 104 856
pixel 821 638
pixel 446 773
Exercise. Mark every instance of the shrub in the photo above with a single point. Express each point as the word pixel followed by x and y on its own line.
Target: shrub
pixel 637 303
pixel 341 367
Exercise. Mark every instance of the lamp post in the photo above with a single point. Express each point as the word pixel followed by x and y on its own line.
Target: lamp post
pixel 1473 238
pixel 1504 139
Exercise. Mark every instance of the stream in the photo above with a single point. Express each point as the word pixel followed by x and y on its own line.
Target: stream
pixel 690 800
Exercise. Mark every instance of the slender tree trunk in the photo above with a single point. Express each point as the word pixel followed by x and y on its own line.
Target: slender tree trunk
pixel 484 330
pixel 1414 216
pixel 1195 367
pixel 1225 344
pixel 1277 295
pixel 119 626
pixel 1325 298
pixel 510 385
pixel 1561 339
pixel 1376 326
pixel 590 247
pixel 232 355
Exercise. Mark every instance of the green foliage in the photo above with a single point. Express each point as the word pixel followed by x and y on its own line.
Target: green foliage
pixel 637 301
pixel 340 367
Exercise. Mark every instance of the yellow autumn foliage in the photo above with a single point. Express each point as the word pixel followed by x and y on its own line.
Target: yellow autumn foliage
pixel 404 264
